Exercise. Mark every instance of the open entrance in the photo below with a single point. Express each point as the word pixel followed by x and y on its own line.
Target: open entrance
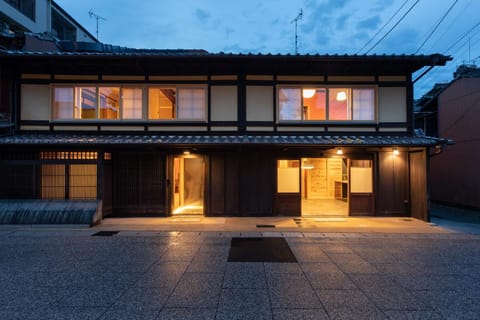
pixel 188 185
pixel 324 186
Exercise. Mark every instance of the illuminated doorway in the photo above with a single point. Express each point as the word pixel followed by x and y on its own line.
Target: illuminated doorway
pixel 324 186
pixel 188 185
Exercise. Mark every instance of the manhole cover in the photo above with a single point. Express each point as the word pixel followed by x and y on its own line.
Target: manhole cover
pixel 260 250
pixel 105 233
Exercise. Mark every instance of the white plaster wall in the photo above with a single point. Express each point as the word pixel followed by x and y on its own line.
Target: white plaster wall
pixel 223 103
pixel 392 104
pixel 260 103
pixel 35 102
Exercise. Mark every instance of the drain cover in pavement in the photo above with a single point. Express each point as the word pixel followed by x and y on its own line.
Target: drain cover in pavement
pixel 105 233
pixel 260 250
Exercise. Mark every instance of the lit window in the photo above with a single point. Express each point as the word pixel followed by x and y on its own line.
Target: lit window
pixel 318 104
pixel 168 103
pixel 363 104
pixel 85 103
pixel 63 103
pixel 161 103
pixel 109 98
pixel 131 103
pixel 191 104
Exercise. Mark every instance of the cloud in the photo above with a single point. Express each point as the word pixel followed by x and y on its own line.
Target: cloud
pixel 342 21
pixel 369 23
pixel 202 15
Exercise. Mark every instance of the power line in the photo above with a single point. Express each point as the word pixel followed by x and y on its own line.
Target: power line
pixel 394 26
pixel 449 27
pixel 383 27
pixel 462 37
pixel 437 25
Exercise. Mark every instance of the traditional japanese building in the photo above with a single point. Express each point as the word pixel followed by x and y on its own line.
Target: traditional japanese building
pixel 166 132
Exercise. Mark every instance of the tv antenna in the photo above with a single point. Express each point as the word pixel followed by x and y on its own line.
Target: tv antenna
pixel 97 17
pixel 297 18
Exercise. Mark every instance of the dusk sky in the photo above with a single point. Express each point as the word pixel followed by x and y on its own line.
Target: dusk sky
pixel 265 26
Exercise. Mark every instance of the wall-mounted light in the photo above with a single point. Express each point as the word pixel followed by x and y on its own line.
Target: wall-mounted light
pixel 308 93
pixel 186 153
pixel 339 151
pixel 341 96
pixel 396 152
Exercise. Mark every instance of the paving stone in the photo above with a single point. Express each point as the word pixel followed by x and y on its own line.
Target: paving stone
pixel 349 304
pixel 51 313
pixel 187 314
pixel 196 290
pixel 127 313
pixel 299 314
pixel 245 275
pixel 414 315
pixel 244 304
pixel 291 290
pixel 287 267
pixel 99 296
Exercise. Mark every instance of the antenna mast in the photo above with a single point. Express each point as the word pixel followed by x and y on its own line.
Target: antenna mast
pixel 297 18
pixel 97 17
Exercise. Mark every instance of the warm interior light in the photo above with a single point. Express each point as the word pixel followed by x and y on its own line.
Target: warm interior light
pixel 307 166
pixel 186 152
pixel 339 151
pixel 341 96
pixel 396 152
pixel 308 93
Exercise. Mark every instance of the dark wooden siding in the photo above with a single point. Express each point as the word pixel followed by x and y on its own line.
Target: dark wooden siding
pixel 418 185
pixel 138 181
pixel 18 181
pixel 223 184
pixel 392 189
pixel 107 188
pixel 257 181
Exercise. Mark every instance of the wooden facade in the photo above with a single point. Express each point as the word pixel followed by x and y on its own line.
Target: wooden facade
pixel 241 155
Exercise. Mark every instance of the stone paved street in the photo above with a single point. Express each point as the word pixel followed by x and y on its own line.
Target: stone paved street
pixel 70 274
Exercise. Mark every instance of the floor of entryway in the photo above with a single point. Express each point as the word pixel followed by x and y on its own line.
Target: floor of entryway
pixel 324 207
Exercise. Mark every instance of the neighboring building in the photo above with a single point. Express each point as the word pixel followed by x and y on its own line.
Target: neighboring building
pixel 455 109
pixel 41 17
pixel 165 132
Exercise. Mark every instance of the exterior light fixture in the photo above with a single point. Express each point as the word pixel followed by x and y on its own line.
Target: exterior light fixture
pixel 339 151
pixel 186 153
pixel 308 93
pixel 341 96
pixel 396 152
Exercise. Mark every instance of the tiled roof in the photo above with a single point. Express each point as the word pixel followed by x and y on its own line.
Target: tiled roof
pixel 198 140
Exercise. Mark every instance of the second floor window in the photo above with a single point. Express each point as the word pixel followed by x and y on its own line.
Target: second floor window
pixel 169 103
pixel 326 104
pixel 125 102
pixel 27 7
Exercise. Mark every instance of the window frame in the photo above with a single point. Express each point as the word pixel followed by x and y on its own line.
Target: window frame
pixel 120 118
pixel 350 88
pixel 177 88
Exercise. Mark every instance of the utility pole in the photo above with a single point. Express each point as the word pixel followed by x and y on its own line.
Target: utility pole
pixel 97 17
pixel 297 18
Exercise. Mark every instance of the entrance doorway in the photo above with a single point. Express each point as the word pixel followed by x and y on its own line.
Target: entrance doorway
pixel 324 187
pixel 188 185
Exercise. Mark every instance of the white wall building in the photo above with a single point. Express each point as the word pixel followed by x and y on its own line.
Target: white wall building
pixel 41 16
